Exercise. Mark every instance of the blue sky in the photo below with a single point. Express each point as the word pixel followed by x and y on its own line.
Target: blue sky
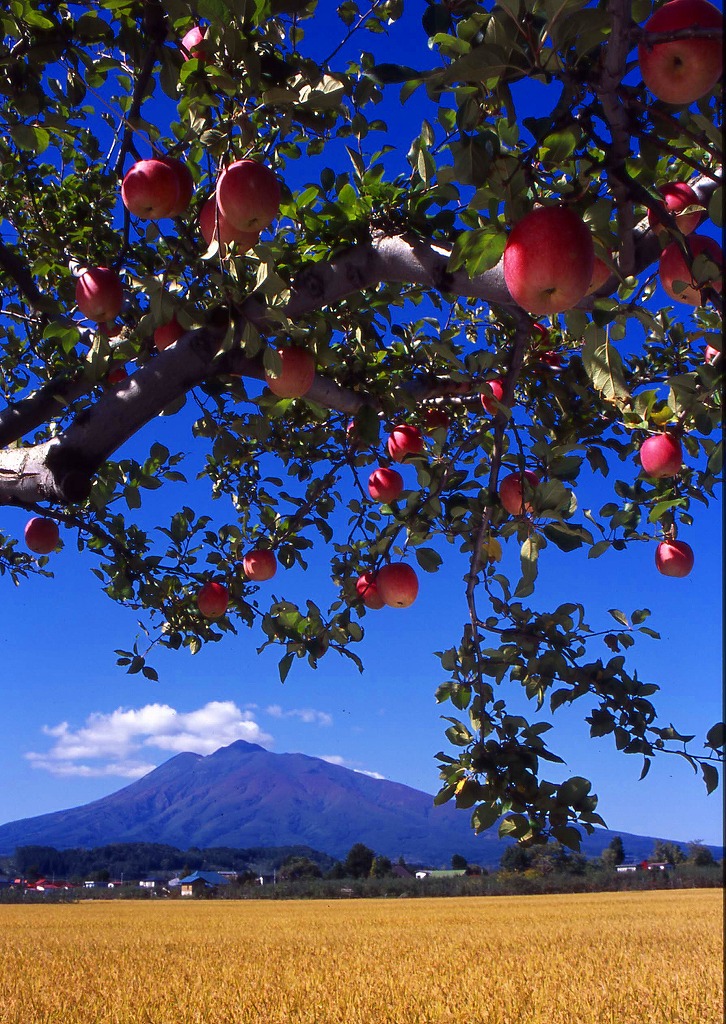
pixel 75 727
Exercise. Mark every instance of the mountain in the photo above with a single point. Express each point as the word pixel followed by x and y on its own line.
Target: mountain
pixel 243 795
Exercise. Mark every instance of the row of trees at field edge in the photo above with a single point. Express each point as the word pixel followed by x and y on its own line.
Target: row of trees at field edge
pixel 136 860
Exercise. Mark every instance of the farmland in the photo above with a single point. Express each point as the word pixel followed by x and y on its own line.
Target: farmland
pixel 606 958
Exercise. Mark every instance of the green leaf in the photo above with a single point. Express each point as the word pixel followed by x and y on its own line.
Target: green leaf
pixel 484 817
pixel 710 777
pixel 428 559
pixel 478 250
pixel 568 836
pixel 284 666
pixel 528 554
pixel 560 145
pixel 30 137
pixel 604 367
pixel 620 617
pixel 443 795
pixel 458 734
pixel 392 74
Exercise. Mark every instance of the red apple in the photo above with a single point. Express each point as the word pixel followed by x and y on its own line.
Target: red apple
pixel 674 558
pixel 548 260
pixel 185 185
pixel 212 600
pixel 116 375
pixel 99 294
pixel 511 493
pixel 661 455
pixel 368 591
pixel 601 272
pixel 210 215
pixel 296 376
pixel 190 44
pixel 168 333
pixel 110 329
pixel 673 267
pixel 259 564
pixel 549 362
pixel 397 584
pixel 42 535
pixel 436 419
pixel 248 194
pixel 677 196
pixel 385 485
pixel 150 189
pixel 497 390
pixel 405 439
pixel 710 355
pixel 683 70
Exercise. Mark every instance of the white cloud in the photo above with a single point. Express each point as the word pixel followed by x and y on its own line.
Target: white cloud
pixel 308 716
pixel 114 741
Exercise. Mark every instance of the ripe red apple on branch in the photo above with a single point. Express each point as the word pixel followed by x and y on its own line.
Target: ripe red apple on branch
pixel 397 584
pixel 673 269
pixel 153 189
pixel 677 197
pixel 211 217
pixel 385 485
pixel 190 44
pixel 248 195
pixel 674 558
pixel 489 402
pixel 512 493
pixel 168 333
pixel 259 565
pixel 99 294
pixel 683 70
pixel 405 439
pixel 185 185
pixel 368 591
pixel 296 375
pixel 548 260
pixel 436 419
pixel 41 535
pixel 661 455
pixel 213 600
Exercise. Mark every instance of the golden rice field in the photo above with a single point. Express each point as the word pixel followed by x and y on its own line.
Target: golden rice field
pixel 605 958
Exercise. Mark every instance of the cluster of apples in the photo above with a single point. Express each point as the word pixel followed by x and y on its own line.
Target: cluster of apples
pixel 661 456
pixel 258 565
pixel 549 259
pixel 396 583
pixel 673 268
pixel 680 72
pixel 246 200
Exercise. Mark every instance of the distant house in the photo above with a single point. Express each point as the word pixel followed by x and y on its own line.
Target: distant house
pixel 628 867
pixel 449 873
pixel 399 871
pixel 202 883
pixel 153 882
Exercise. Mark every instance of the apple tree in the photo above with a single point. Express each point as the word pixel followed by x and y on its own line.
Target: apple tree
pixel 494 261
